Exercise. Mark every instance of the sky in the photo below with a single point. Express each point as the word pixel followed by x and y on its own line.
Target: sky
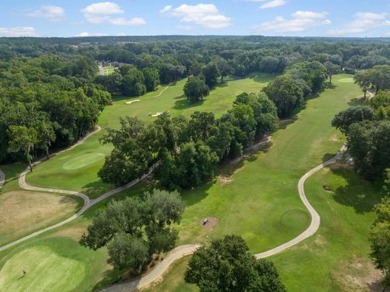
pixel 332 18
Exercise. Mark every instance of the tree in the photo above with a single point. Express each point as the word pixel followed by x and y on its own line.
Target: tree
pixel 362 79
pixel 354 114
pixel 22 139
pixel 331 69
pixel 195 89
pixel 152 78
pixel 224 68
pixel 133 230
pixel 286 93
pixel 227 265
pixel 211 74
pixel 380 239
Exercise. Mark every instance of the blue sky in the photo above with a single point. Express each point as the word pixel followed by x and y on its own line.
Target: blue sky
pixel 362 18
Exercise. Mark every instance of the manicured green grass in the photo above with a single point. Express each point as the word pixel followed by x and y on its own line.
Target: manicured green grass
pixel 52 264
pixel 65 171
pixel 336 258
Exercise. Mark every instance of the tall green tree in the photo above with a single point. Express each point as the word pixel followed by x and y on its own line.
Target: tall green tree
pixel 22 139
pixel 195 89
pixel 380 239
pixel 227 265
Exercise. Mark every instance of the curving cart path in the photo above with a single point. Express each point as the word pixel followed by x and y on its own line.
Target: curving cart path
pixel 180 251
pixel 184 250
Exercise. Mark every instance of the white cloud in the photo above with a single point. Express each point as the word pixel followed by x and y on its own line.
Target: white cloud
pixel 87 34
pixel 26 31
pixel 50 12
pixel 363 22
pixel 206 15
pixel 104 12
pixel 273 4
pixel 299 21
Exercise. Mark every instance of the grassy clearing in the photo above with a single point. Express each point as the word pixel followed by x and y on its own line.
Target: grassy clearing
pixel 23 212
pixel 53 264
pixel 108 70
pixel 77 170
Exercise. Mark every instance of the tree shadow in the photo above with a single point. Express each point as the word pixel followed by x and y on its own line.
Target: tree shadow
pixel 357 193
pixel 96 188
pixel 357 101
pixel 328 156
pixel 262 77
pixel 284 123
pixel 195 195
pixel 183 103
pixel 109 278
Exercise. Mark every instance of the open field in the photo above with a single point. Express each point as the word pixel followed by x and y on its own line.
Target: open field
pixel 23 212
pixel 77 169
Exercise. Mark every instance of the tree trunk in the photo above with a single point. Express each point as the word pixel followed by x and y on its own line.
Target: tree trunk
pixel 47 153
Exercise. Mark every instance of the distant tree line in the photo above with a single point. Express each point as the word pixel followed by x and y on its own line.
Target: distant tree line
pixel 188 150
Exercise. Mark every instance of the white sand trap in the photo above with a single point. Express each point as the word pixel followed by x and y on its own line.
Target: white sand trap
pixel 130 102
pixel 156 114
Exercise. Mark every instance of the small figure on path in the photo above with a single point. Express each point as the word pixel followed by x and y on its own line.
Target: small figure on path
pixel 205 221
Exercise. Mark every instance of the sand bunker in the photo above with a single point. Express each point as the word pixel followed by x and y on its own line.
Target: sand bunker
pixel 130 102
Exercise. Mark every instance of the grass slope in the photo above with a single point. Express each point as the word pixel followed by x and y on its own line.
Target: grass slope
pixel 63 171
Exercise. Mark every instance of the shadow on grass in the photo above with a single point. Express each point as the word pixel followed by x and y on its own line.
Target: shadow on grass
pixel 284 123
pixel 96 188
pixel 358 193
pixel 357 101
pixel 182 103
pixel 327 157
pixel 109 278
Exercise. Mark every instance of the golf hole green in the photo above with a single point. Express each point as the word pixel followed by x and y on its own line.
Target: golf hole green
pixel 346 80
pixel 41 269
pixel 82 161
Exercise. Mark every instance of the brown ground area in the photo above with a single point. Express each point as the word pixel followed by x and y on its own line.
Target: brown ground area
pixel 211 222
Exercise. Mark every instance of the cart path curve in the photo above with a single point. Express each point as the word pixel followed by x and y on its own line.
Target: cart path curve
pixel 157 273
pixel 2 179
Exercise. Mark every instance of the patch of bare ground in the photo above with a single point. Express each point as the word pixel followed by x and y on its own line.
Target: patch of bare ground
pixel 208 222
pixel 318 244
pixel 71 232
pixel 357 275
pixel 224 180
pixel 22 211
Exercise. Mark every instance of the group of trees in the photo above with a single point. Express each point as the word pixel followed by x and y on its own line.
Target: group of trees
pixel 187 151
pixel 46 102
pixel 290 90
pixel 133 229
pixel 367 128
pixel 130 81
pixel 376 79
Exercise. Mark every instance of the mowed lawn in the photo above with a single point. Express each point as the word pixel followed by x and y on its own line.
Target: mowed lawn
pixel 77 169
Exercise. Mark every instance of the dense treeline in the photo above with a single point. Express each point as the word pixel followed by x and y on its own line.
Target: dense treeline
pixel 46 102
pixel 367 126
pixel 188 151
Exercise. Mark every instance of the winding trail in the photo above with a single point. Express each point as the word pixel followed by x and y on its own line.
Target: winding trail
pixel 180 251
